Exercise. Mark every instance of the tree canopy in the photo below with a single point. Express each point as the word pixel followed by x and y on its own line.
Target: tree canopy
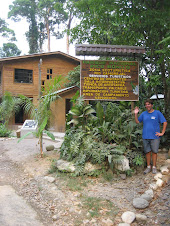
pixel 9 49
pixel 5 31
pixel 130 22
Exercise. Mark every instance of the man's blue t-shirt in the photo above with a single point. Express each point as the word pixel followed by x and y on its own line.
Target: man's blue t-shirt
pixel 151 123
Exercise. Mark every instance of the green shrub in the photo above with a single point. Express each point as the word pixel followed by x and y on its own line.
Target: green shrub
pixel 135 158
pixel 4 132
pixel 80 147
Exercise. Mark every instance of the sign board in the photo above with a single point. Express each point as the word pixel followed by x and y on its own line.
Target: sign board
pixel 29 126
pixel 109 80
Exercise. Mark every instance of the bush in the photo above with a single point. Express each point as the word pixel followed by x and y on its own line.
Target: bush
pixel 136 158
pixel 4 132
pixel 80 147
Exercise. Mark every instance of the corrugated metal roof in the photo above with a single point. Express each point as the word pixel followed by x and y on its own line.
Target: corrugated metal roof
pixel 38 55
pixel 64 90
pixel 108 50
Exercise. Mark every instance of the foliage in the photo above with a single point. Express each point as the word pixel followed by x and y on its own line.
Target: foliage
pixel 101 138
pixel 136 158
pixel 51 14
pixel 81 113
pixel 42 112
pixel 138 23
pixel 74 77
pixel 117 125
pixel 9 49
pixel 43 17
pixel 80 146
pixel 5 31
pixel 28 10
pixel 4 131
pixel 97 22
pixel 8 106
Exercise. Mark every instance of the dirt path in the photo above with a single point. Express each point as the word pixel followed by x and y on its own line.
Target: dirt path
pixel 23 170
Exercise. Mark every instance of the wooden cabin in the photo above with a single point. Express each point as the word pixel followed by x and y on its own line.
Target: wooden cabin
pixel 27 74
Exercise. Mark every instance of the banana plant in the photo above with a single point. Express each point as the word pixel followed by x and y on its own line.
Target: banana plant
pixel 81 113
pixel 41 113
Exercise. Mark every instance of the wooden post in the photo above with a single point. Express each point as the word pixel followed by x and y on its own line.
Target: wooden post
pixel 132 107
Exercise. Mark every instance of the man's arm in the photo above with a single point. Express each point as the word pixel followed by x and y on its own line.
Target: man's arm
pixel 163 130
pixel 136 114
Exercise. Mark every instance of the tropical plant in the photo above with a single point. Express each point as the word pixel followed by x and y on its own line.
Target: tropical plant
pixel 4 131
pixel 42 112
pixel 74 77
pixel 8 106
pixel 80 146
pixel 136 158
pixel 81 113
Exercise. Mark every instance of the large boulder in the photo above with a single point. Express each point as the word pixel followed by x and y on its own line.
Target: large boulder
pixel 123 165
pixel 65 166
pixel 89 167
pixel 140 203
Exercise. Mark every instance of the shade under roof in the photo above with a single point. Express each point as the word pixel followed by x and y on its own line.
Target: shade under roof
pixel 108 50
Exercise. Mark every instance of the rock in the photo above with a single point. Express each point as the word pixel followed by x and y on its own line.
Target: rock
pixel 146 197
pixel 164 170
pixel 50 147
pixel 128 217
pixel 123 165
pixel 86 222
pixel 49 179
pixel 65 166
pixel 165 178
pixel 164 150
pixel 158 176
pixel 167 163
pixel 55 218
pixel 123 176
pixel 107 222
pixel 89 167
pixel 123 224
pixel 153 186
pixel 141 218
pixel 159 182
pixel 140 203
pixel 149 192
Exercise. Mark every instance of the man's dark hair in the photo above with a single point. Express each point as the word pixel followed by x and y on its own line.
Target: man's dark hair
pixel 149 101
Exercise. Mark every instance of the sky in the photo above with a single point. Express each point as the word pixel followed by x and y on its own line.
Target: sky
pixel 21 27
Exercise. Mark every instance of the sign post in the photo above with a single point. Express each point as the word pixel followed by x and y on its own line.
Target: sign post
pixel 109 80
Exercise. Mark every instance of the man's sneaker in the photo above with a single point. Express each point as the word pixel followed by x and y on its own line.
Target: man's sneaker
pixel 147 170
pixel 154 170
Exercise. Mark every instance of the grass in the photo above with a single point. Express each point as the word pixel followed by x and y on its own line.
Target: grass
pixel 97 206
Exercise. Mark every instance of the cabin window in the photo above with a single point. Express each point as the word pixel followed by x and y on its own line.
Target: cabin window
pixel 23 76
pixel 49 71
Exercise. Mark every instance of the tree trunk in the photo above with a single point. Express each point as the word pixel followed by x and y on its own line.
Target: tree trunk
pixel 68 31
pixel 41 145
pixel 48 35
pixel 166 90
pixel 48 30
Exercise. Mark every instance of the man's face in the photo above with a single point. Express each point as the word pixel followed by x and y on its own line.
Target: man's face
pixel 148 106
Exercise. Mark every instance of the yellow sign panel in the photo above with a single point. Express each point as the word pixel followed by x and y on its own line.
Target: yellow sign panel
pixel 109 80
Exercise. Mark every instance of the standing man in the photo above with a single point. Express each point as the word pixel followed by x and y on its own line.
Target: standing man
pixel 151 132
